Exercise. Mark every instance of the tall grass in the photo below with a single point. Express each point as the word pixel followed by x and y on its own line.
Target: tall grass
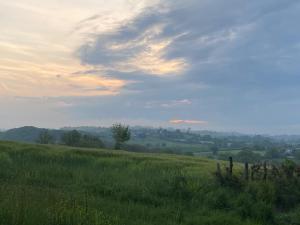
pixel 52 185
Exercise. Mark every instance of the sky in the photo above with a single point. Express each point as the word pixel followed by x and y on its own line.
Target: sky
pixel 205 64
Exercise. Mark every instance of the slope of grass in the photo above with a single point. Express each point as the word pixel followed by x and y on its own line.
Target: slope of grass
pixel 55 185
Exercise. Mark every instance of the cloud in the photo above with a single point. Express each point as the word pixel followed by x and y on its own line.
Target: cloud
pixel 235 63
pixel 34 56
pixel 177 37
pixel 133 48
pixel 52 85
pixel 168 104
pixel 236 60
pixel 190 122
pixel 176 103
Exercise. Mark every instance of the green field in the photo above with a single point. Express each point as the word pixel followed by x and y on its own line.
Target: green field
pixel 55 185
pixel 178 146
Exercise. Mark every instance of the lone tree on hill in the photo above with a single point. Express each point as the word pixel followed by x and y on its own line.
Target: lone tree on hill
pixel 121 134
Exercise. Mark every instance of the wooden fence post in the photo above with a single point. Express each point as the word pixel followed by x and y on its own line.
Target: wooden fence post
pixel 265 171
pixel 230 166
pixel 252 172
pixel 246 172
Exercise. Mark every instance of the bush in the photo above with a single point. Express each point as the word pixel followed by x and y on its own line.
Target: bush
pixel 89 141
pixel 219 199
pixel 76 139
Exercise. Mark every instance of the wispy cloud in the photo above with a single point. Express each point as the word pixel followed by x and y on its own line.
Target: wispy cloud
pixel 230 58
pixel 190 122
pixel 132 48
pixel 176 103
pixel 230 62
pixel 38 59
pixel 168 104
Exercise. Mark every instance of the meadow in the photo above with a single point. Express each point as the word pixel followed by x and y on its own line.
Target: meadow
pixel 57 185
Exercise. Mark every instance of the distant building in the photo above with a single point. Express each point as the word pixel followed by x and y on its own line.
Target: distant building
pixel 229 144
pixel 289 152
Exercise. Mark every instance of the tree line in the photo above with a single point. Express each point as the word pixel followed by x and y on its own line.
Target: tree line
pixel 120 133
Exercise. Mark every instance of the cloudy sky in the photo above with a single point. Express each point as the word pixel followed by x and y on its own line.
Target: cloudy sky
pixel 205 64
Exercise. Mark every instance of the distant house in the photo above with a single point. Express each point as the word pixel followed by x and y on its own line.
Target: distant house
pixel 289 152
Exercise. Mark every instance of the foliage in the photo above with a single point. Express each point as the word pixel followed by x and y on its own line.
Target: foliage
pixel 288 167
pixel 297 155
pixel 180 141
pixel 71 138
pixel 214 149
pixel 261 198
pixel 273 153
pixel 76 139
pixel 242 156
pixel 121 134
pixel 45 137
pixel 248 156
pixel 65 186
pixel 57 185
pixel 89 141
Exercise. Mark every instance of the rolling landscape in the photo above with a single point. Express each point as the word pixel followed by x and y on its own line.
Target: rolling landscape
pixel 64 185
pixel 175 141
pixel 149 112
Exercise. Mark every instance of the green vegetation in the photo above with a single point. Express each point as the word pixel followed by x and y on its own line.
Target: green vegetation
pixel 121 134
pixel 215 145
pixel 56 185
pixel 242 156
pixel 45 137
pixel 175 141
pixel 76 139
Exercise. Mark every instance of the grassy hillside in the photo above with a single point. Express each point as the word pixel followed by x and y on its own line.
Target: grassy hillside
pixel 157 139
pixel 52 185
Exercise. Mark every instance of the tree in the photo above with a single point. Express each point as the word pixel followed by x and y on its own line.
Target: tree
pixel 89 141
pixel 273 153
pixel 214 149
pixel 248 156
pixel 76 139
pixel 71 138
pixel 45 137
pixel 121 134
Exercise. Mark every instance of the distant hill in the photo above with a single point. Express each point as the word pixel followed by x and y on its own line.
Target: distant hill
pixel 24 134
pixel 27 134
pixel 147 139
pixel 30 134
